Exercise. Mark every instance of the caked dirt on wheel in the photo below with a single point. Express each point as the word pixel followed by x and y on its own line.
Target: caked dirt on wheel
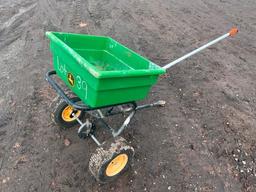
pixel 202 140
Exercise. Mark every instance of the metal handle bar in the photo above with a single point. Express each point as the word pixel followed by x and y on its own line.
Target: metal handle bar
pixel 231 33
pixel 61 92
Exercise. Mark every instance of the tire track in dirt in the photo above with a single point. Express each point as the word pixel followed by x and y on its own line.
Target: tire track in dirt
pixel 77 16
pixel 12 44
pixel 81 20
pixel 18 84
pixel 28 126
pixel 13 28
pixel 50 14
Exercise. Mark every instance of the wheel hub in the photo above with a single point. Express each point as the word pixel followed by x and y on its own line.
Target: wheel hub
pixel 67 114
pixel 116 165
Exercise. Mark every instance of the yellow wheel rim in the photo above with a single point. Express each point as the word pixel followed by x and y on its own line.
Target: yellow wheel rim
pixel 117 165
pixel 67 114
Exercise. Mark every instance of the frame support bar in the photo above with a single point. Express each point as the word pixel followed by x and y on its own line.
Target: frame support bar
pixel 95 140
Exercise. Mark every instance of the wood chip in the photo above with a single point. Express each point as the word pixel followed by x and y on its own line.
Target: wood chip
pixel 82 24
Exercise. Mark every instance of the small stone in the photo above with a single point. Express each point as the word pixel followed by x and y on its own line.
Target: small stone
pixel 4 181
pixel 164 176
pixel 53 185
pixel 67 142
pixel 195 94
pixel 16 145
pixel 169 188
pixel 244 162
pixel 58 135
pixel 135 172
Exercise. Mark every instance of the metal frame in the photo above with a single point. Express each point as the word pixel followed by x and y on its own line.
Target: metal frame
pixel 86 128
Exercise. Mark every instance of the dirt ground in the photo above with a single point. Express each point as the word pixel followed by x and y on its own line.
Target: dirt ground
pixel 203 140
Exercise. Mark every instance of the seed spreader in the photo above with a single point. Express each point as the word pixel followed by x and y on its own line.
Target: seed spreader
pixel 107 79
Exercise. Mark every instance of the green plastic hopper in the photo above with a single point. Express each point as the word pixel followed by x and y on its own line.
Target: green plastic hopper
pixel 101 71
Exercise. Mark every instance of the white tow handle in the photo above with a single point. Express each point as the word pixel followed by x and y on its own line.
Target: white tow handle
pixel 231 33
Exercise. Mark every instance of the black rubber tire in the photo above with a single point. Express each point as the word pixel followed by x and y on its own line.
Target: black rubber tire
pixel 57 106
pixel 105 154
